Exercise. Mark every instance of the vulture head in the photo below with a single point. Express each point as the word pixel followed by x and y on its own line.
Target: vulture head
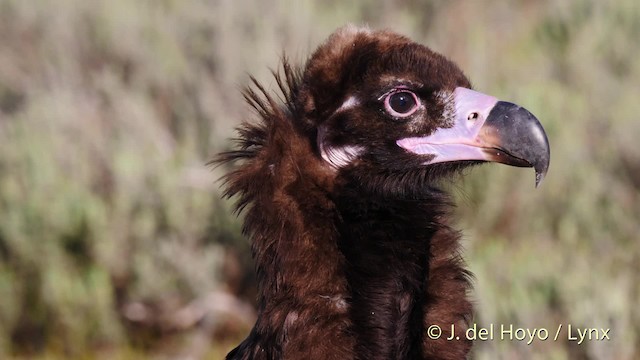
pixel 339 180
pixel 397 110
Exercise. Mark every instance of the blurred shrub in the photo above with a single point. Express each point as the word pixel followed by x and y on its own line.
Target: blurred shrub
pixel 104 197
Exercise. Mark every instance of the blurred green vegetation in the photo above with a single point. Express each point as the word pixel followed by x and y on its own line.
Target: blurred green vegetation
pixel 114 243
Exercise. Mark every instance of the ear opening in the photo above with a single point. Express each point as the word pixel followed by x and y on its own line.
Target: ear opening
pixel 336 156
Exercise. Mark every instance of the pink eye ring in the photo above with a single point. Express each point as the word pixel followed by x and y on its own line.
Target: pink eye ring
pixel 401 103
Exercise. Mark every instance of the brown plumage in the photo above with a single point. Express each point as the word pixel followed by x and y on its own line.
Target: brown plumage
pixel 339 183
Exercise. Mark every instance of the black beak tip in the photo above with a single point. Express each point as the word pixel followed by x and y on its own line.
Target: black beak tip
pixel 539 149
pixel 540 176
pixel 522 136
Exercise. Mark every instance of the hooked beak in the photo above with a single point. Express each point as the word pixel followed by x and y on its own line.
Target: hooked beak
pixel 488 130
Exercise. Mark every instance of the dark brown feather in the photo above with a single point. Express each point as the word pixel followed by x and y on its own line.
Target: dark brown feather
pixel 355 263
pixel 283 187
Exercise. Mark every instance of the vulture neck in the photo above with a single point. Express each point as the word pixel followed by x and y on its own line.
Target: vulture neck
pixel 388 243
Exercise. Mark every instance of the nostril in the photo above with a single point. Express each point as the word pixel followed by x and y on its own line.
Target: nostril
pixel 473 116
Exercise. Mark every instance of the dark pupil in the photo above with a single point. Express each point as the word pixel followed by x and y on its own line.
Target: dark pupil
pixel 402 102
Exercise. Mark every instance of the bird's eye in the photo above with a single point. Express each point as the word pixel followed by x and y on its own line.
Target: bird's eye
pixel 401 103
